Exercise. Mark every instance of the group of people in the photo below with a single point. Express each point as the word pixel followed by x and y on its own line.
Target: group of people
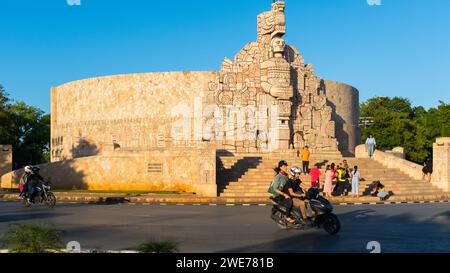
pixel 345 180
pixel 29 182
pixel 339 180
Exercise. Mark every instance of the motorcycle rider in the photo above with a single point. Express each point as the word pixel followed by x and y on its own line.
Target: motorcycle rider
pixel 280 197
pixel 294 190
pixel 34 180
pixel 23 183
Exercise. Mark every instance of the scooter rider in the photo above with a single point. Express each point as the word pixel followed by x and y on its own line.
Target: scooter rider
pixel 294 190
pixel 34 180
pixel 280 197
pixel 23 183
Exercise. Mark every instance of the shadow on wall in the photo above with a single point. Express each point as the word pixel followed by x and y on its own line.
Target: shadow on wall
pixel 64 175
pixel 226 176
pixel 84 149
pixel 341 135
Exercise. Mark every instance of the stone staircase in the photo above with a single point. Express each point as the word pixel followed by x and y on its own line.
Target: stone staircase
pixel 248 177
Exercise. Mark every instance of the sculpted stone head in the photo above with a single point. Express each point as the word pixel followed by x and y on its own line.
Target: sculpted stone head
pixel 278 6
pixel 278 46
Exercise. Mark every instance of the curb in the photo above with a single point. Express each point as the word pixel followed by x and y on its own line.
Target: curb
pixel 214 201
pixel 244 204
pixel 89 251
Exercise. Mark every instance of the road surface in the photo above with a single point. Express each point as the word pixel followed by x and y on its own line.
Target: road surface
pixel 398 228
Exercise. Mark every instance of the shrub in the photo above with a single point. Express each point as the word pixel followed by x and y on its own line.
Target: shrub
pixel 158 246
pixel 32 238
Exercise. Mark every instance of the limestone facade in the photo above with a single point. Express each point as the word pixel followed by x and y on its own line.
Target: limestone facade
pixel 265 100
pixel 5 159
pixel 441 163
pixel 192 170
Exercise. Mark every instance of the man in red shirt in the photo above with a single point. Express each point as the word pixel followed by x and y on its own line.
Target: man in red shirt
pixel 315 175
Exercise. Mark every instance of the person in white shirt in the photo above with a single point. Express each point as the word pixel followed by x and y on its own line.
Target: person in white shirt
pixel 356 178
pixel 371 144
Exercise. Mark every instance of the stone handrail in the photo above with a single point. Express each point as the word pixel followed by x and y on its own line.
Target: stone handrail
pixel 390 160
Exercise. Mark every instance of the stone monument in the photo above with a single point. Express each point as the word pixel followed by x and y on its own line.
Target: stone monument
pixel 162 131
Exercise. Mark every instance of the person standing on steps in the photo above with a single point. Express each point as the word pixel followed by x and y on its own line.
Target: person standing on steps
pixel 327 188
pixel 427 170
pixel 356 178
pixel 371 144
pixel 306 154
pixel 315 176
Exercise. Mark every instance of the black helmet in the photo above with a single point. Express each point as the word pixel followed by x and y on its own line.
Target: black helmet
pixel 35 169
pixel 282 163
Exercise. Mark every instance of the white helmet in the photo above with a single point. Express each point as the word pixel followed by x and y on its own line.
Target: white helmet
pixel 28 169
pixel 295 170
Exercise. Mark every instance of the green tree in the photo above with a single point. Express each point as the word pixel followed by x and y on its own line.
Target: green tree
pixel 25 127
pixel 394 125
pixel 397 123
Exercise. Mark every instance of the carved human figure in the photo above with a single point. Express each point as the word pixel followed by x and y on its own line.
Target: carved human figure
pixel 278 46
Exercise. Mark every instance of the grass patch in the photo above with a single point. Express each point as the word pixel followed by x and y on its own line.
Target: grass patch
pixel 119 192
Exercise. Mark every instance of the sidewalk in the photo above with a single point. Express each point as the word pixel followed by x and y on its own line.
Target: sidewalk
pixel 109 198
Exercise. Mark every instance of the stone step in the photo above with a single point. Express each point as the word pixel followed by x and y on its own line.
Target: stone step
pixel 307 184
pixel 368 180
pixel 389 187
pixel 249 193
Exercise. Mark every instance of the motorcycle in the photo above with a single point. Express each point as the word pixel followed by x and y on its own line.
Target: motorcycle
pixel 321 208
pixel 43 195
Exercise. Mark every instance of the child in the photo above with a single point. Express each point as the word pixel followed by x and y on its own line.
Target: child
pixel 380 191
pixel 315 175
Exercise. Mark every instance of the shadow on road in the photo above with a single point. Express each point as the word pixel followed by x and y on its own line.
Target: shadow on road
pixel 400 233
pixel 10 218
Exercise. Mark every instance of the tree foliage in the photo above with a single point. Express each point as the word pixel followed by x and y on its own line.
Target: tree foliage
pixel 397 123
pixel 26 128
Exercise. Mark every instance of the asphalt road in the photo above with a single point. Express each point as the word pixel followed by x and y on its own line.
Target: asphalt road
pixel 398 228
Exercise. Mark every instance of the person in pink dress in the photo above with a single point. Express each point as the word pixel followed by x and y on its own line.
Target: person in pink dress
pixel 315 175
pixel 327 189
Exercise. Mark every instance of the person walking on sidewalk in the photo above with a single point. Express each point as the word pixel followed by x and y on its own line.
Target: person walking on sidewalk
pixel 371 143
pixel 306 154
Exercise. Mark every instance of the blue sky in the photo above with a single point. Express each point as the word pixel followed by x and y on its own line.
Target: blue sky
pixel 400 48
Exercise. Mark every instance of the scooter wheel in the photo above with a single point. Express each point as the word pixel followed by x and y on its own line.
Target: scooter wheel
pixel 26 203
pixel 331 224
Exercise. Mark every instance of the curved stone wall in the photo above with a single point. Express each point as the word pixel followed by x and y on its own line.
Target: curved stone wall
pixel 126 112
pixel 344 99
pixel 158 170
